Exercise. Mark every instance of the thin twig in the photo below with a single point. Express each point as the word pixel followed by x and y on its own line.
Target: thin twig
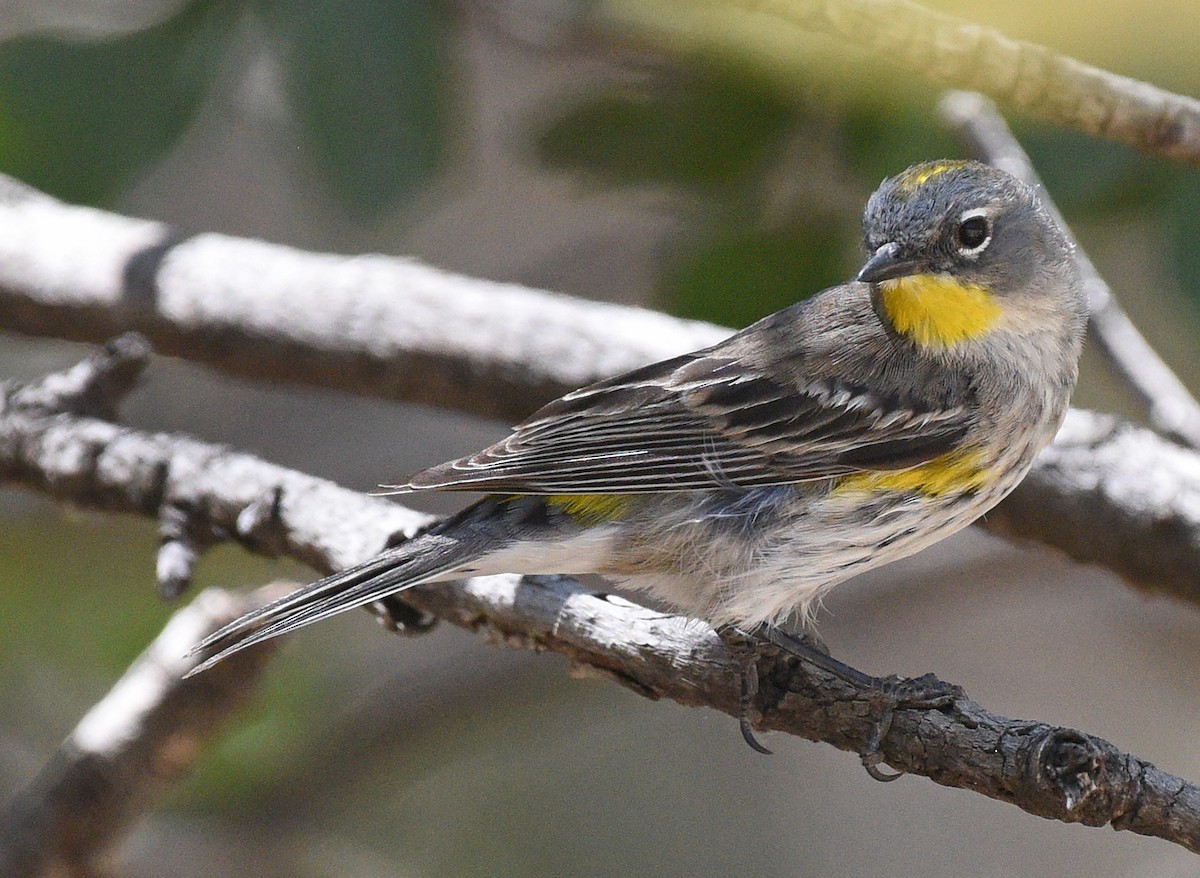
pixel 1172 409
pixel 97 386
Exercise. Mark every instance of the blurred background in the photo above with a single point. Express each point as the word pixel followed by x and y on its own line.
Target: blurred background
pixel 541 142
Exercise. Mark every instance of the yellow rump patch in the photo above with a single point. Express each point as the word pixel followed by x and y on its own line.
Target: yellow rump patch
pixel 590 508
pixel 908 181
pixel 962 471
pixel 935 310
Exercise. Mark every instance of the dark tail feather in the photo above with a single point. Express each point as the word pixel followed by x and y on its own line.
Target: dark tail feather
pixel 392 571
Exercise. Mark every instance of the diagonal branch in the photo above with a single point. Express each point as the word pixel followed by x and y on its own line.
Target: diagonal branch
pixel 1173 410
pixel 1052 772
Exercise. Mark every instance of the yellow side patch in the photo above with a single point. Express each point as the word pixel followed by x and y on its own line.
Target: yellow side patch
pixel 937 311
pixel 908 181
pixel 590 508
pixel 962 471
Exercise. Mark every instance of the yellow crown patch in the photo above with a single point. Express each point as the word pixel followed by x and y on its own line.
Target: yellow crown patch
pixel 912 179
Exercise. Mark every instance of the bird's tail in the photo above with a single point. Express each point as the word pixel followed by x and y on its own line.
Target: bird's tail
pixel 426 557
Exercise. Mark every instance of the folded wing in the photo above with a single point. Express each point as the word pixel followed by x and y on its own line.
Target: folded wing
pixel 700 421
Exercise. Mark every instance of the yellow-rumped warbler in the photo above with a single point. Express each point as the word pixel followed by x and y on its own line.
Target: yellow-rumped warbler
pixel 738 483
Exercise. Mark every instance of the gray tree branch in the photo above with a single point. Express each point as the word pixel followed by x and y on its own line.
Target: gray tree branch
pixel 1049 771
pixel 373 325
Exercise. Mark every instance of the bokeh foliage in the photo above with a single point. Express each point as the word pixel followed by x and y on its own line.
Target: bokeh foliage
pixel 82 119
pixel 724 137
pixel 367 88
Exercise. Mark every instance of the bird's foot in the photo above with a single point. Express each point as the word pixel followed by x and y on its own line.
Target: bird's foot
pixel 888 694
pixel 892 694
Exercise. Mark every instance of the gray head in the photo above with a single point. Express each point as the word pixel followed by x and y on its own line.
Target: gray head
pixel 967 220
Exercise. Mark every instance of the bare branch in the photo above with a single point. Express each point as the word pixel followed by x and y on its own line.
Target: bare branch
pixel 129 749
pixel 366 324
pixel 1054 772
pixel 1048 771
pixel 1172 409
pixel 944 49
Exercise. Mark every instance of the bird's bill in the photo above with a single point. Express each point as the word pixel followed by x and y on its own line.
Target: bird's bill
pixel 887 263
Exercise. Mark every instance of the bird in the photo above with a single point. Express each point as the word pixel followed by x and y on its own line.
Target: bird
pixel 738 483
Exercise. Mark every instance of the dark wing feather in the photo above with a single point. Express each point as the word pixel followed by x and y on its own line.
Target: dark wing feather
pixel 695 422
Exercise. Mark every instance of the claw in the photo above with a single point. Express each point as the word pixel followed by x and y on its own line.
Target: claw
pixel 749 737
pixel 744 653
pixel 872 755
pixel 872 761
pixel 746 705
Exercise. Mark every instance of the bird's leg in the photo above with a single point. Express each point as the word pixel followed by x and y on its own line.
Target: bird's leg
pixel 810 648
pixel 926 692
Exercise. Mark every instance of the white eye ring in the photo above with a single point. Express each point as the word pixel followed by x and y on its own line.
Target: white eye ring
pixel 969 246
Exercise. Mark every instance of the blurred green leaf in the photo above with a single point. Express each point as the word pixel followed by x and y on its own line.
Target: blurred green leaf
pixel 742 274
pixel 80 626
pixel 1096 177
pixel 1184 220
pixel 883 140
pixel 367 86
pixel 55 617
pixel 709 131
pixel 80 119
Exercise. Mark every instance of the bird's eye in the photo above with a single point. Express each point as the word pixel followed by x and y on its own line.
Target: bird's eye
pixel 974 232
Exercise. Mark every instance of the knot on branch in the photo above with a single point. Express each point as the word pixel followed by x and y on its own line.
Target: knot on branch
pixel 261 525
pixel 1067 764
pixel 186 530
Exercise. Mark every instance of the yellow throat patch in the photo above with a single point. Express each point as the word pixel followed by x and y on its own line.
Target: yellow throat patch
pixel 962 471
pixel 937 311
